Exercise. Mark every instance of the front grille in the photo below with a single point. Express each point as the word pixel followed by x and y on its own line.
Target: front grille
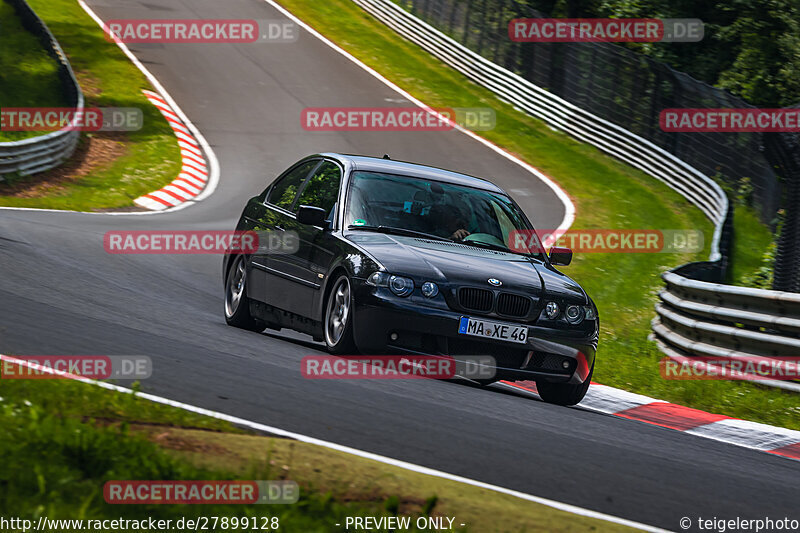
pixel 483 300
pixel 513 305
pixel 475 299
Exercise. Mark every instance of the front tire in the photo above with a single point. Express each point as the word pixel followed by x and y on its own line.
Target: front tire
pixel 339 318
pixel 564 393
pixel 237 304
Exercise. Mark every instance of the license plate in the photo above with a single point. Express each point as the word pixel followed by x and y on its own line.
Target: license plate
pixel 493 330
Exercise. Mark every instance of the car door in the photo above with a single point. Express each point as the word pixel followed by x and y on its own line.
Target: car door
pixel 303 271
pixel 271 219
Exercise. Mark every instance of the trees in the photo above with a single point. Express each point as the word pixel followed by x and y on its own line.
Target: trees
pixel 766 70
pixel 751 47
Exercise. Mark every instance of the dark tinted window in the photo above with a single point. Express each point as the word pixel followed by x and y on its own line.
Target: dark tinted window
pixel 442 209
pixel 285 190
pixel 323 187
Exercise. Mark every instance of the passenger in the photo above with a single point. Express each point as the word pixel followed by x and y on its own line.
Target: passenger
pixel 447 221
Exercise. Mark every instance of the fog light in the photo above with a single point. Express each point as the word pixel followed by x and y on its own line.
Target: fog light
pixel 394 336
pixel 551 310
pixel 430 289
pixel 565 364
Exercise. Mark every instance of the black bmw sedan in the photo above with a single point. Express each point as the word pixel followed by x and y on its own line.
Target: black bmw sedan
pixel 384 257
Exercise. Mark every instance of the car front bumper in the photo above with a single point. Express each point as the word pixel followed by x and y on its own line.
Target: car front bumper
pixel 385 323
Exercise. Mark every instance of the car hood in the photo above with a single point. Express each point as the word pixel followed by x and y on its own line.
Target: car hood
pixel 460 264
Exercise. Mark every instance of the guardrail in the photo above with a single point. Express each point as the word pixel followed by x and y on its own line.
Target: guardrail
pixel 44 152
pixel 696 317
pixel 710 320
pixel 562 115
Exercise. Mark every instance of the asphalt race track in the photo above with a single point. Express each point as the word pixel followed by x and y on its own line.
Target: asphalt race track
pixel 60 293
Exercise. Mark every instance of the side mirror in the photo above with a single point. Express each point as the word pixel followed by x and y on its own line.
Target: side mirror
pixel 560 256
pixel 312 216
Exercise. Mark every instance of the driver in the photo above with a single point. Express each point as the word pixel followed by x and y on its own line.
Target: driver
pixel 448 222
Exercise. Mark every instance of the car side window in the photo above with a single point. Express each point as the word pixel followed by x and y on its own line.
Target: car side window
pixel 322 189
pixel 284 191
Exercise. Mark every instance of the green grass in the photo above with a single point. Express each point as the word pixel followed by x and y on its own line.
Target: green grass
pixel 72 399
pixel 607 194
pixel 28 75
pixel 62 440
pixel 149 158
pixel 56 466
pixel 751 242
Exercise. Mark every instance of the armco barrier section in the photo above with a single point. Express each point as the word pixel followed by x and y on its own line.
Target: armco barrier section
pixel 709 320
pixel 561 115
pixel 695 318
pixel 44 152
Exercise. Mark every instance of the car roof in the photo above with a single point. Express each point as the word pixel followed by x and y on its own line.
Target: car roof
pixel 390 166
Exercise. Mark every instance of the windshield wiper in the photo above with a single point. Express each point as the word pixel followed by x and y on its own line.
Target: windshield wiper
pixel 399 231
pixel 492 246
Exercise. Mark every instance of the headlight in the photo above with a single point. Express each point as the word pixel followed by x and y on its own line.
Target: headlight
pixel 401 286
pixel 430 289
pixel 379 279
pixel 397 284
pixel 574 314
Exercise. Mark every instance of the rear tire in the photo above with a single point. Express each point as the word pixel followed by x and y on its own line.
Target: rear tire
pixel 564 393
pixel 237 304
pixel 338 323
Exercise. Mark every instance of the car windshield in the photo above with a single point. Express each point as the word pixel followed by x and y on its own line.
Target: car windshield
pixel 407 204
